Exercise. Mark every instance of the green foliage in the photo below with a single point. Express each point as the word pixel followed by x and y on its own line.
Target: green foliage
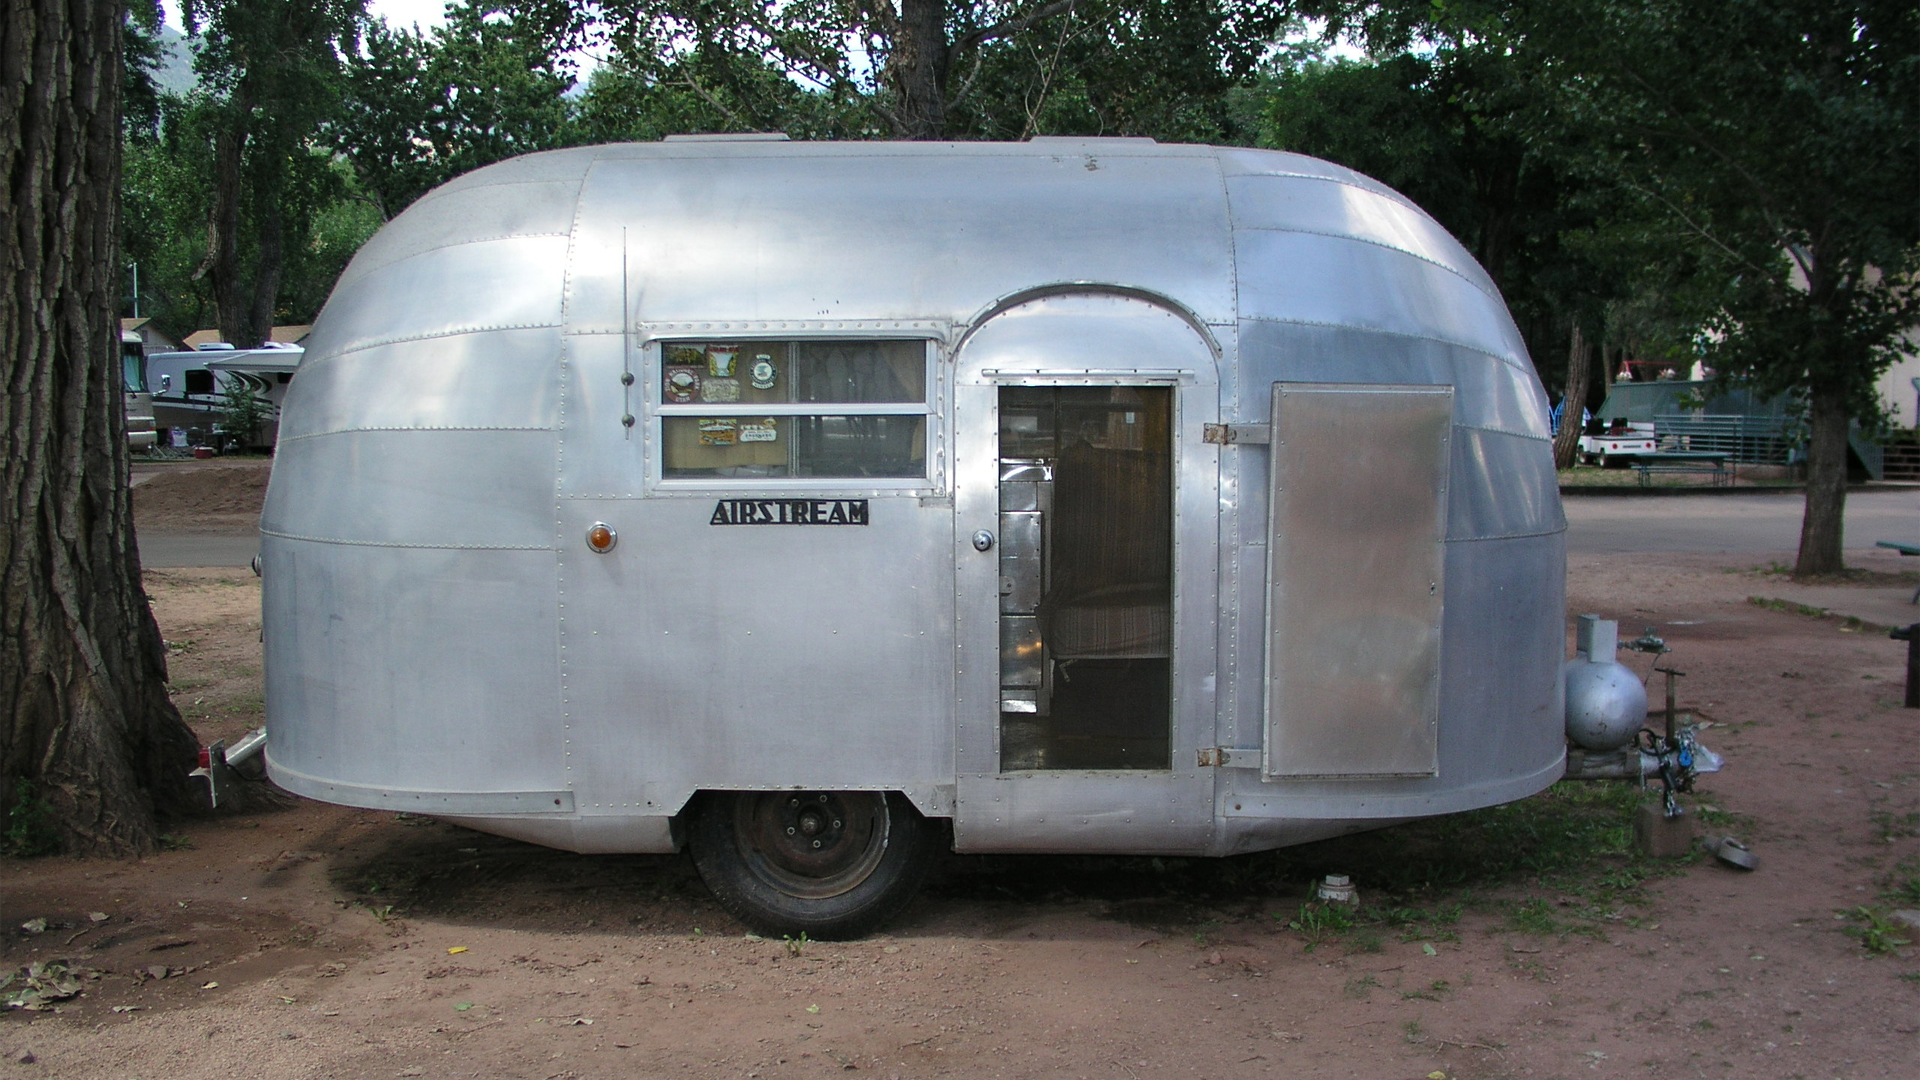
pixel 241 411
pixel 419 109
pixel 1001 70
pixel 1773 141
pixel 1902 887
pixel 29 830
pixel 1875 934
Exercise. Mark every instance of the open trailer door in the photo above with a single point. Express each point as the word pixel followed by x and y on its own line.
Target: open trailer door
pixel 1357 526
pixel 1086 505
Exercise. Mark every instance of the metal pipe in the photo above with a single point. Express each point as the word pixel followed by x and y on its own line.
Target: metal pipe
pixel 1911 635
pixel 1626 763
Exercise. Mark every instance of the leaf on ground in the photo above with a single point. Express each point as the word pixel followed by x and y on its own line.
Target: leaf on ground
pixel 38 985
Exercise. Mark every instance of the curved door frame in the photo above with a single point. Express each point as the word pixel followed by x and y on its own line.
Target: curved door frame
pixel 1086 337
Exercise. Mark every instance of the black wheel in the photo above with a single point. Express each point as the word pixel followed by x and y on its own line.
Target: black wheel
pixel 831 865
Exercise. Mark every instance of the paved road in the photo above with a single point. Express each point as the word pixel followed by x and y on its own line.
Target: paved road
pixel 1760 523
pixel 158 551
pixel 1596 525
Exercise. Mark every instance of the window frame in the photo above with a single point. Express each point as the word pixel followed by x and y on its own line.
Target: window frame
pixel 930 407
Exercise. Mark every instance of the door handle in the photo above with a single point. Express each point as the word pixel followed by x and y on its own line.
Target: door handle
pixel 982 540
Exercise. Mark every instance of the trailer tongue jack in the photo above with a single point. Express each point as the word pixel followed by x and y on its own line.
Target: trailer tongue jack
pixel 218 764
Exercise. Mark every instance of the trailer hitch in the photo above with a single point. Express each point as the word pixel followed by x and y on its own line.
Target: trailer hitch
pixel 217 763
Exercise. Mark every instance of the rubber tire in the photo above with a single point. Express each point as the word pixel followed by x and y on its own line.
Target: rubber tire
pixel 912 843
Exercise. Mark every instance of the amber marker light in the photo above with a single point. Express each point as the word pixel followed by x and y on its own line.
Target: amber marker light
pixel 601 537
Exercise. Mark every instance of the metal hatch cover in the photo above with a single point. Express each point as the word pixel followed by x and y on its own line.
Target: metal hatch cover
pixel 1357 522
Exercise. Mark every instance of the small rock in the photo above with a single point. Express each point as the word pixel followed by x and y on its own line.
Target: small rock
pixel 1906 917
pixel 25 1057
pixel 34 926
pixel 96 916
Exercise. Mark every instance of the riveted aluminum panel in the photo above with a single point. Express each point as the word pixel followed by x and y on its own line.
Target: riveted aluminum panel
pixel 541 168
pixel 1488 392
pixel 487 285
pixel 1336 208
pixel 1020 652
pixel 711 656
pixel 757 231
pixel 1369 287
pixel 417 670
pixel 477 212
pixel 481 489
pixel 1355 564
pixel 1237 161
pixel 601 457
pixel 1020 561
pixel 1085 813
pixel 1502 736
pixel 500 379
pixel 1504 485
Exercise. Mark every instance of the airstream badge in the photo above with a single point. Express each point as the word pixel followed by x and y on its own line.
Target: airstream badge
pixel 762 373
pixel 789 512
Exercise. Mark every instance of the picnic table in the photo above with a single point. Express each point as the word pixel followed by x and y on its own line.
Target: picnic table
pixel 1706 462
pixel 1904 549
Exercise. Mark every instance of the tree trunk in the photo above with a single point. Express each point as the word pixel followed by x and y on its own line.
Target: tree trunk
pixel 1821 527
pixel 232 299
pixel 1566 443
pixel 917 70
pixel 266 272
pixel 84 715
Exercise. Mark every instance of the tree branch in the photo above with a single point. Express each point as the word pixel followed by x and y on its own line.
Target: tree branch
pixel 732 117
pixel 1010 27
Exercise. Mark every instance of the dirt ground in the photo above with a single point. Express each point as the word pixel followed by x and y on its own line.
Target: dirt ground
pixel 314 941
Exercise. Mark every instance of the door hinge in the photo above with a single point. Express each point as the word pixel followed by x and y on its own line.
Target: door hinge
pixel 1228 434
pixel 1229 758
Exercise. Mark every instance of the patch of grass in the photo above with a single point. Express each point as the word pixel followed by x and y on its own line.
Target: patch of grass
pixel 1360 988
pixel 29 828
pixel 1534 916
pixel 1848 624
pixel 1893 826
pixel 1437 990
pixel 1875 934
pixel 1416 880
pixel 1901 886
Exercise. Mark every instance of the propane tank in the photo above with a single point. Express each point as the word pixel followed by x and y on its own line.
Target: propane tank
pixel 1606 702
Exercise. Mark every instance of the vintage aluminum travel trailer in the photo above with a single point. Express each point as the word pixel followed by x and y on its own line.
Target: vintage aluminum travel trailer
pixel 810 503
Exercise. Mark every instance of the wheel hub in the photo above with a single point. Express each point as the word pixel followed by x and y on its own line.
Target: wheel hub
pixel 812 844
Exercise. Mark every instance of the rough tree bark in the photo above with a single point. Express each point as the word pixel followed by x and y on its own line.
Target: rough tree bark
pixel 920 57
pixel 1821 527
pixel 233 297
pixel 84 715
pixel 917 68
pixel 1566 442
